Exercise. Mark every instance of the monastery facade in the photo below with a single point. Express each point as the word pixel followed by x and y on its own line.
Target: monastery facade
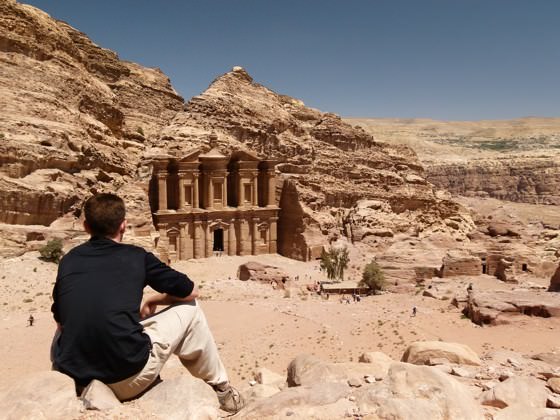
pixel 208 203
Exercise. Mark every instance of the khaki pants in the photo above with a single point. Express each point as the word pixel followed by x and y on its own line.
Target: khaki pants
pixel 181 330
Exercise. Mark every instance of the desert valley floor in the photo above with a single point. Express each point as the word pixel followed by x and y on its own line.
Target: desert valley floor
pixel 255 325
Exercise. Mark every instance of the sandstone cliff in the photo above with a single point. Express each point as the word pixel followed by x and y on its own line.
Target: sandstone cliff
pixel 75 119
pixel 526 179
pixel 515 160
pixel 326 165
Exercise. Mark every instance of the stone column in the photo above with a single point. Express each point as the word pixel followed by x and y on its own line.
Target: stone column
pixel 255 195
pixel 231 238
pixel 241 238
pixel 196 205
pixel 181 190
pixel 254 235
pixel 162 191
pixel 241 192
pixel 196 242
pixel 208 240
pixel 163 243
pixel 224 192
pixel 182 255
pixel 210 195
pixel 271 177
pixel 272 234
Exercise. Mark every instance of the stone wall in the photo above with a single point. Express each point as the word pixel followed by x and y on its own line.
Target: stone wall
pixel 461 265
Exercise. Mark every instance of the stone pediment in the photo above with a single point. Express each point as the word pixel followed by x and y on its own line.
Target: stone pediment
pixel 213 153
pixel 243 155
pixel 191 156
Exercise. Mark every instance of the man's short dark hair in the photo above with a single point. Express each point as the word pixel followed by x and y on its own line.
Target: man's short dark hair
pixel 104 214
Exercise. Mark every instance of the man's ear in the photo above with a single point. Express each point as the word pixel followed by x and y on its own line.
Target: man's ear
pixel 122 230
pixel 86 227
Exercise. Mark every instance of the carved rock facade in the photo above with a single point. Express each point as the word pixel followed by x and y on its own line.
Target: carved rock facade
pixel 208 203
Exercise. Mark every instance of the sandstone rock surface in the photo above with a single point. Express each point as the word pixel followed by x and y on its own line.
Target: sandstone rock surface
pixel 422 352
pixel 418 392
pixel 528 391
pixel 555 281
pixel 98 396
pixel 255 271
pixel 515 160
pixel 90 122
pixel 501 307
pixel 71 118
pixel 525 412
pixel 554 384
pixel 180 398
pixel 44 395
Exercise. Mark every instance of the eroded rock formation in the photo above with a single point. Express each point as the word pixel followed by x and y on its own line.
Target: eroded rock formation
pixel 514 160
pixel 524 179
pixel 502 384
pixel 74 118
pixel 327 165
pixel 502 307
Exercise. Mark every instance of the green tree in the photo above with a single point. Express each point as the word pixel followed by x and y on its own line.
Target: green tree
pixel 334 262
pixel 52 251
pixel 373 277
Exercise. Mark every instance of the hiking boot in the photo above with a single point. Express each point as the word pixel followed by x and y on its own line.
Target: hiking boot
pixel 230 399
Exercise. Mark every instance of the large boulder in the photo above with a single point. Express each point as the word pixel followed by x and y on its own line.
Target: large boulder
pixel 503 307
pixel 516 390
pixel 321 401
pixel 98 396
pixel 44 395
pixel 418 392
pixel 256 271
pixel 308 370
pixel 421 352
pixel 183 397
pixel 265 376
pixel 554 385
pixel 525 412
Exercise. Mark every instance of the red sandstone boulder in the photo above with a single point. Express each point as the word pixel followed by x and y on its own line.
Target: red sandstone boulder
pixel 255 271
pixel 421 352
pixel 502 307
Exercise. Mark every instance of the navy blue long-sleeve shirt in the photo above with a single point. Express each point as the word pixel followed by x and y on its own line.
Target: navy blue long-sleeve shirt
pixel 97 297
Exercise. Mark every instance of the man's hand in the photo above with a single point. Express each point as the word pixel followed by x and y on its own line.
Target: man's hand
pixel 150 302
pixel 148 306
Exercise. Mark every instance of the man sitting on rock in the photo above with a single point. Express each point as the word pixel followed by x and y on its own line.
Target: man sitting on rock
pixel 98 304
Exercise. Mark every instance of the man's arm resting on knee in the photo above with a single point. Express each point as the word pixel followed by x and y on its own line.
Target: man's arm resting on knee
pixel 151 302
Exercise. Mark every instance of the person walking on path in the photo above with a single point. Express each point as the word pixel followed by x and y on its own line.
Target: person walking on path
pixel 109 331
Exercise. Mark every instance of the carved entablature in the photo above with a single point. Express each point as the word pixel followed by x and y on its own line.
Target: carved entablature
pixel 207 202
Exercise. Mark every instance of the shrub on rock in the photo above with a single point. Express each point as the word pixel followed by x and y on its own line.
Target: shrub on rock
pixel 52 251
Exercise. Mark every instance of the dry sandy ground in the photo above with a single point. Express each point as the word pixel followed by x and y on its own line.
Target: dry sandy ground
pixel 255 325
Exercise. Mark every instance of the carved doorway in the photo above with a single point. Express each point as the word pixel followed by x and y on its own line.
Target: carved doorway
pixel 218 240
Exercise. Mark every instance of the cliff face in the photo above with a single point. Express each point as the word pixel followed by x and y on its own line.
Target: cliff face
pixel 516 160
pixel 71 113
pixel 326 164
pixel 523 179
pixel 75 120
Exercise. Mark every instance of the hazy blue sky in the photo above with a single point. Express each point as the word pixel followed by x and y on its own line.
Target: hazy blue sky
pixel 443 59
